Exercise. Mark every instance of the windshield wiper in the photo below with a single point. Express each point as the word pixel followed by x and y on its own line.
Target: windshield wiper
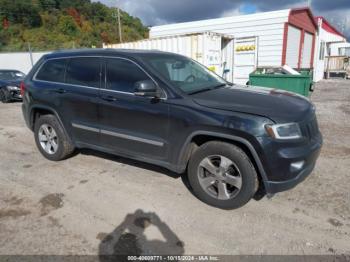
pixel 206 89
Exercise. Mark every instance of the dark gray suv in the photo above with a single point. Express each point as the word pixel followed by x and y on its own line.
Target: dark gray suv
pixel 232 141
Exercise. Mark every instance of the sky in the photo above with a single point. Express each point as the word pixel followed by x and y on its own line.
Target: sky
pixel 159 12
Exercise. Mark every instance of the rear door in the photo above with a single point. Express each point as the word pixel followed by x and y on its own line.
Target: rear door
pixel 131 124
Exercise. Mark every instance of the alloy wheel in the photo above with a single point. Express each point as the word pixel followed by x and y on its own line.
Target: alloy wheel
pixel 219 177
pixel 48 139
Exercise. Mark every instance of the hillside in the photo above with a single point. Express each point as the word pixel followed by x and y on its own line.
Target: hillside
pixel 60 24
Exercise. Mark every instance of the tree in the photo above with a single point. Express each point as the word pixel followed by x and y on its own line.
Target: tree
pixel 67 25
pixel 46 5
pixel 20 12
pixel 56 24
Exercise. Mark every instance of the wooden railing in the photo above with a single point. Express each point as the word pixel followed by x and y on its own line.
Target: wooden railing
pixel 337 64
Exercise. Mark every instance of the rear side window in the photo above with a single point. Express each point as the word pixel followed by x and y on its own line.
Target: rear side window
pixel 84 71
pixel 122 75
pixel 52 70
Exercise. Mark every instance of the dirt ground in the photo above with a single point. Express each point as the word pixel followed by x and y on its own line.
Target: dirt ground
pixel 96 203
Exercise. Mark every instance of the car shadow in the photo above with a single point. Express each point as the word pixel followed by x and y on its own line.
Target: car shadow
pixel 260 194
pixel 130 162
pixel 132 238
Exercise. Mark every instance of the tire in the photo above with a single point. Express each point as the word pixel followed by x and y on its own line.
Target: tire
pixel 60 146
pixel 3 96
pixel 235 175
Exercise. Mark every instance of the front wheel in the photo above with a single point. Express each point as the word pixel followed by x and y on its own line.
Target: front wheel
pixel 222 175
pixel 3 96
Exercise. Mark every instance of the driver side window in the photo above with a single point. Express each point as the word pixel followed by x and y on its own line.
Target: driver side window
pixel 121 75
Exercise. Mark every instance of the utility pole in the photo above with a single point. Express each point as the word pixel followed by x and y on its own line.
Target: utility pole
pixel 119 26
pixel 30 54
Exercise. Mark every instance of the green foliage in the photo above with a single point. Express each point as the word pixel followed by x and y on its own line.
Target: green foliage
pixel 61 24
pixel 20 12
pixel 67 25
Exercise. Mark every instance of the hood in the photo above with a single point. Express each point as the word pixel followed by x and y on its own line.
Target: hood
pixel 10 82
pixel 278 105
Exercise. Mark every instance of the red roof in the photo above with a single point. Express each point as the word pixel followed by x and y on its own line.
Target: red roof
pixel 302 18
pixel 328 27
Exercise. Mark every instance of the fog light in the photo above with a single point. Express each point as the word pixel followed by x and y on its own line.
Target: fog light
pixel 296 166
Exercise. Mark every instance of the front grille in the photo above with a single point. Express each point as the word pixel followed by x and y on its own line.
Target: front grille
pixel 310 129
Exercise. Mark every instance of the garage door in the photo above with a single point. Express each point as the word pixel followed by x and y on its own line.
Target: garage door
pixel 293 46
pixel 307 49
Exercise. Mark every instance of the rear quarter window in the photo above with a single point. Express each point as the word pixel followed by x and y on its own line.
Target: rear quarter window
pixel 52 71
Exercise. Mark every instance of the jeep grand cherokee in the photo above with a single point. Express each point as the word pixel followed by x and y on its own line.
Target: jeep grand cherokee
pixel 171 111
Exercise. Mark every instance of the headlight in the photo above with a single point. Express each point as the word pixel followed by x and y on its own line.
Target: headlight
pixel 284 131
pixel 12 88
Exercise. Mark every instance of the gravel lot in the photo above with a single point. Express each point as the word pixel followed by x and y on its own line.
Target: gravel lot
pixel 97 203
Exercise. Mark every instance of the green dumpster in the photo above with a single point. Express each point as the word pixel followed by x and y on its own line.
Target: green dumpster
pixel 301 84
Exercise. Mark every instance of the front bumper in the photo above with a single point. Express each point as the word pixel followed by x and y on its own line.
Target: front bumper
pixel 281 177
pixel 273 187
pixel 15 95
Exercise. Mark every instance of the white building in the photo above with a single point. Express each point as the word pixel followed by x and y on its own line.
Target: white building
pixel 262 39
pixel 330 42
pixel 339 49
pixel 207 48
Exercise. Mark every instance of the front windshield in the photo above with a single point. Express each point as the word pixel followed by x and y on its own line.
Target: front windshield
pixel 186 74
pixel 11 75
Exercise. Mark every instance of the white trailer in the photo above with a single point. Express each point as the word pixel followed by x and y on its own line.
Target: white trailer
pixel 22 61
pixel 328 42
pixel 262 39
pixel 339 49
pixel 213 50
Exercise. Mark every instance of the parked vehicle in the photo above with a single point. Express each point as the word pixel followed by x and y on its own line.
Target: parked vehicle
pixel 9 85
pixel 169 110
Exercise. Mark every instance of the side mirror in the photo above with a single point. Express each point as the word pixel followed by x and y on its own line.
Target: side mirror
pixel 146 88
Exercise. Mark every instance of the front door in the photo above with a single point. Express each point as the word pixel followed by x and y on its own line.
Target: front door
pixel 82 82
pixel 131 124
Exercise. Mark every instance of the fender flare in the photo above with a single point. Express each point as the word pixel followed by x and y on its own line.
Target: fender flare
pixel 232 138
pixel 31 117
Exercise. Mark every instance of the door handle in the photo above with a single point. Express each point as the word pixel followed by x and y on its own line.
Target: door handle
pixel 60 91
pixel 109 98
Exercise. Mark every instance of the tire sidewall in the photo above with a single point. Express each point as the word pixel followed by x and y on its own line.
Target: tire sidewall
pixel 52 121
pixel 241 160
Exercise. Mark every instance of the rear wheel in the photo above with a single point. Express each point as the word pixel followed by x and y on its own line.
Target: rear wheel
pixel 222 175
pixel 51 140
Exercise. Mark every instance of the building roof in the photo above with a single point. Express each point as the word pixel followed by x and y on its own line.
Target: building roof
pixel 328 27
